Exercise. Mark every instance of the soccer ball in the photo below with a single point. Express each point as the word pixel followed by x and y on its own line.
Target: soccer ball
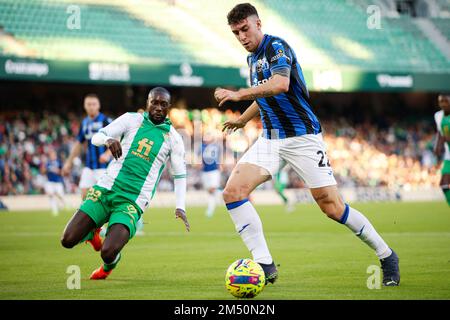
pixel 245 278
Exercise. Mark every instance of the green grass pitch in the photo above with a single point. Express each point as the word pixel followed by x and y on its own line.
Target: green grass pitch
pixel 319 259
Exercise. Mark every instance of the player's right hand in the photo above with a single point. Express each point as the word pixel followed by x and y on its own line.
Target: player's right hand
pixel 114 146
pixel 233 125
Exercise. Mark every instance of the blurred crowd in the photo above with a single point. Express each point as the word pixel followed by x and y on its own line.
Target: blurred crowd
pixel 398 156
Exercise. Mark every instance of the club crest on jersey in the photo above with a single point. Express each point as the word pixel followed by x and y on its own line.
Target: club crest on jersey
pixel 262 64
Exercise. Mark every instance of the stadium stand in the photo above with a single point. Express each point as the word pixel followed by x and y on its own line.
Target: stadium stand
pixel 443 25
pixel 43 26
pixel 362 154
pixel 130 32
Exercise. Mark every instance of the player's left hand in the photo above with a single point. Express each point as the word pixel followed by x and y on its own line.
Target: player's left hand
pixel 224 95
pixel 114 146
pixel 181 214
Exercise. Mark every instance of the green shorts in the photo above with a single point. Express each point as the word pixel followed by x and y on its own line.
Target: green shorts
pixel 104 205
pixel 445 167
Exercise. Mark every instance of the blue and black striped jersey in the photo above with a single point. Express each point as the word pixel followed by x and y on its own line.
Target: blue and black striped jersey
pixel 54 171
pixel 286 114
pixel 210 156
pixel 87 129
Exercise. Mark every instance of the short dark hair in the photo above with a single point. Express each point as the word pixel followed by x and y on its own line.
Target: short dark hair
pixel 92 95
pixel 240 12
pixel 160 90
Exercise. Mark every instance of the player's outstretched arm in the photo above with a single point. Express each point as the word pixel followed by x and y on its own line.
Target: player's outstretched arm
pixel 180 195
pixel 113 145
pixel 110 134
pixel 249 113
pixel 275 85
pixel 178 170
pixel 75 152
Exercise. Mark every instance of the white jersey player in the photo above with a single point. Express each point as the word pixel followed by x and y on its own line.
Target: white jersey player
pixel 141 145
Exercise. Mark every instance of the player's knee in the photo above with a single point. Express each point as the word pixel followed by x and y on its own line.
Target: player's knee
pixel 228 195
pixel 68 240
pixel 332 208
pixel 233 194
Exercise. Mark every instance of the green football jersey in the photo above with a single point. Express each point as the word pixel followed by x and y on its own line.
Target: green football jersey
pixel 443 126
pixel 146 148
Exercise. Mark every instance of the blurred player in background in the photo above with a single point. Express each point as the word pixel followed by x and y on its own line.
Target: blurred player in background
pixel 141 145
pixel 292 133
pixel 97 158
pixel 442 118
pixel 280 183
pixel 54 187
pixel 211 173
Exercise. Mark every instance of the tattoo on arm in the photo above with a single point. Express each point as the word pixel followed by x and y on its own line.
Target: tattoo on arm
pixel 263 94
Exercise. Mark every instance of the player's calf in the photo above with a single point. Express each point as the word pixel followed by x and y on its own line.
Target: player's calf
pixel 109 254
pixel 329 202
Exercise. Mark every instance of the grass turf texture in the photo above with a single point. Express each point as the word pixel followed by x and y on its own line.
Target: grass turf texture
pixel 320 259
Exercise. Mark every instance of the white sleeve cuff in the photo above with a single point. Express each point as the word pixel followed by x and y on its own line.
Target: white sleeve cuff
pixel 99 139
pixel 180 193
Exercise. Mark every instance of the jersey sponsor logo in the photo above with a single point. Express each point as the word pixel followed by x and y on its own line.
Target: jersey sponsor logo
pixel 257 82
pixel 143 150
pixel 446 130
pixel 279 55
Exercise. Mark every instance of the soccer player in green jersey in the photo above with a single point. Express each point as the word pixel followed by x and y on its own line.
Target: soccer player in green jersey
pixel 141 145
pixel 280 183
pixel 442 119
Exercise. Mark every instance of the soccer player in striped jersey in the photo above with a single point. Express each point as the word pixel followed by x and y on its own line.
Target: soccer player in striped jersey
pixel 211 173
pixel 442 118
pixel 292 134
pixel 54 187
pixel 97 158
pixel 141 145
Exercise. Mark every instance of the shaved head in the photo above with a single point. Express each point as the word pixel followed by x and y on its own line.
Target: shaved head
pixel 444 102
pixel 160 91
pixel 158 104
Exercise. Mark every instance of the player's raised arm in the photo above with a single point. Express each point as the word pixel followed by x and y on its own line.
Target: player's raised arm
pixel 110 134
pixel 275 85
pixel 75 152
pixel 280 60
pixel 178 170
